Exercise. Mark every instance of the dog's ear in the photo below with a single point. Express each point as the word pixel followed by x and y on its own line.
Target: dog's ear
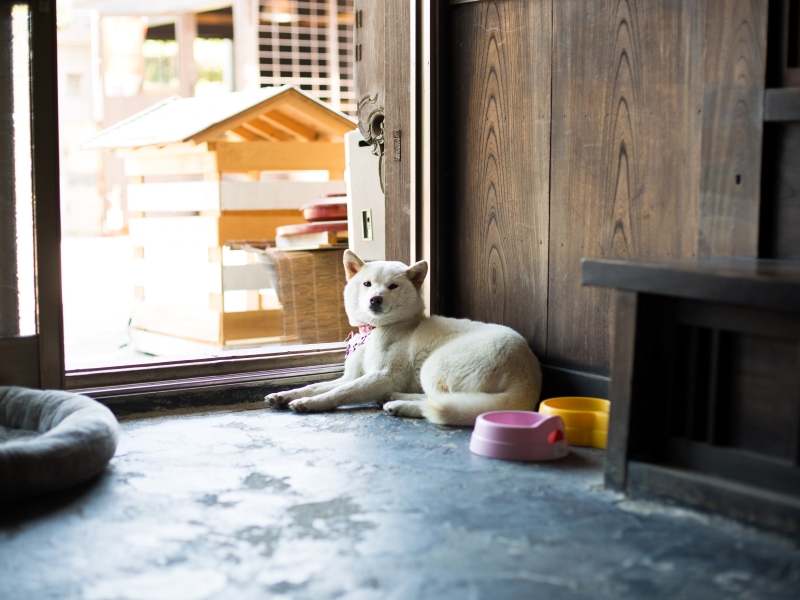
pixel 352 264
pixel 416 273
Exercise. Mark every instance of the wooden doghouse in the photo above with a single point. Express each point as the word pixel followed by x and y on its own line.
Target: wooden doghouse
pixel 195 183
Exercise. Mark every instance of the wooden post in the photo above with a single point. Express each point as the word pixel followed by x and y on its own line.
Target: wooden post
pixel 247 72
pixel 733 114
pixel 9 300
pixel 622 365
pixel 185 34
pixel 47 215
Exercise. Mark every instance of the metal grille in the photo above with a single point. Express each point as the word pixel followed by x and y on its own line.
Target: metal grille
pixel 295 48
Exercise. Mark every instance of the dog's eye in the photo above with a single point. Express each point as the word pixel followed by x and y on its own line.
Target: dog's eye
pixel 367 283
pixel 393 286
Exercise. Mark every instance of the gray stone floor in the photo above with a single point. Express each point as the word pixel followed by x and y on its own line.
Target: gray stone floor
pixel 356 504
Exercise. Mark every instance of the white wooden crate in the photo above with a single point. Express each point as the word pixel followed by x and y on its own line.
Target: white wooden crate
pixel 181 196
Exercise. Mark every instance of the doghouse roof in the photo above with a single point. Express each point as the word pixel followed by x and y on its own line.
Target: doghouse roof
pixel 268 114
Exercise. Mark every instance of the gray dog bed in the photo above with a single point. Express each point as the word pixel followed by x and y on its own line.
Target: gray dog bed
pixel 51 440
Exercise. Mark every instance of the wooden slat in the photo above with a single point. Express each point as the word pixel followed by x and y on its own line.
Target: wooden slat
pixel 290 125
pixel 178 196
pixel 175 282
pixel 782 105
pixel 284 156
pixel 757 404
pixel 180 297
pixel 195 324
pixel 620 390
pixel 327 120
pixel 496 208
pixel 159 344
pixel 316 115
pixel 745 502
pixel 733 112
pixel 177 148
pixel 175 276
pixel 212 133
pixel 269 130
pixel 251 324
pixel 19 361
pixel 260 135
pixel 240 157
pixel 782 195
pixel 762 283
pixel 208 231
pixel 44 138
pixel 243 132
pixel 206 325
pixel 627 94
pixel 171 164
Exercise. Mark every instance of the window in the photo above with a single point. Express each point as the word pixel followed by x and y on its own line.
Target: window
pixel 31 339
pixel 312 42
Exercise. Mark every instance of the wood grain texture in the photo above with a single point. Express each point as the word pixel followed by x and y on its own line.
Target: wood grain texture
pixel 397 173
pixel 778 511
pixel 19 361
pixel 47 208
pixel 782 195
pixel 495 95
pixel 760 406
pixel 369 71
pixel 9 287
pixel 733 111
pixel 620 388
pixel 627 85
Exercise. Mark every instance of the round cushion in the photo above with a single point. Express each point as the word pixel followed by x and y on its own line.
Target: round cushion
pixel 51 440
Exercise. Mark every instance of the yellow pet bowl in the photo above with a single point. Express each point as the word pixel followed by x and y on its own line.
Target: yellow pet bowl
pixel 586 419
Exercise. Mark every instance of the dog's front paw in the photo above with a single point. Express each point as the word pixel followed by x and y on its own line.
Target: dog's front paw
pixel 392 406
pixel 391 398
pixel 301 405
pixel 276 400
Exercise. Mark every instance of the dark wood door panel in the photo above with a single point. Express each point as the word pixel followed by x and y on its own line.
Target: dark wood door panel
pixel 780 201
pixel 397 161
pixel 495 108
pixel 733 113
pixel 627 102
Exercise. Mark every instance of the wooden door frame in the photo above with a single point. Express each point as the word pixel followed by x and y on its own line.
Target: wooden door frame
pixel 47 203
pixel 38 360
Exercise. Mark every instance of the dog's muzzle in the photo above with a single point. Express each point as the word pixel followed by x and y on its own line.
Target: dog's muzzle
pixel 376 304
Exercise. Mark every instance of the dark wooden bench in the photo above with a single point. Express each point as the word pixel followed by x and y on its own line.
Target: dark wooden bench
pixel 705 384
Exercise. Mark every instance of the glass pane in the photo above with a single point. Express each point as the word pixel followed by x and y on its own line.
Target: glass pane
pixel 150 267
pixel 17 284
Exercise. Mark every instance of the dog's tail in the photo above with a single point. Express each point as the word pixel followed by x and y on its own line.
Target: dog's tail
pixel 462 408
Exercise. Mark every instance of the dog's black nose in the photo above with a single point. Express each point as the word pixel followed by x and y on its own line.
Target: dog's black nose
pixel 375 302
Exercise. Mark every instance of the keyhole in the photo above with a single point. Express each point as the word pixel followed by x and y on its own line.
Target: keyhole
pixel 738 179
pixel 376 126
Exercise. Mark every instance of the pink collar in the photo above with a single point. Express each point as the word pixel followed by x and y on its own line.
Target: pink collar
pixel 352 343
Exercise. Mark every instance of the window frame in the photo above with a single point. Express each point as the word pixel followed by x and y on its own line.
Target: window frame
pixel 38 360
pixel 179 383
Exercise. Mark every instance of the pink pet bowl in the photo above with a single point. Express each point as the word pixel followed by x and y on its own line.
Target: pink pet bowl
pixel 519 435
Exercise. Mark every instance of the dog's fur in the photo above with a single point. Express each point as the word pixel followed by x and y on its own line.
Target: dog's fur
pixel 447 370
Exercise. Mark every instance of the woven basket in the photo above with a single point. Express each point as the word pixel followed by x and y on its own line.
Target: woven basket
pixel 310 288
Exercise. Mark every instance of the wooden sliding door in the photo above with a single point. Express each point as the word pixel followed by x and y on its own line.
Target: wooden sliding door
pixel 603 129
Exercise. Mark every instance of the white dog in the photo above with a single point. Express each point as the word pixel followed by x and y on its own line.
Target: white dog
pixel 447 370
